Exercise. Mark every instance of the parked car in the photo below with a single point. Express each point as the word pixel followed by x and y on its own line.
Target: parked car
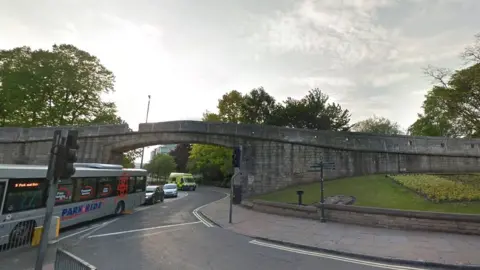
pixel 153 194
pixel 170 190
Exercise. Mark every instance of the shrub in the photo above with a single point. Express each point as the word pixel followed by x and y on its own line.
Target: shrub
pixel 439 189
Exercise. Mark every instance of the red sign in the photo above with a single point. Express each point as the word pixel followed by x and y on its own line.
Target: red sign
pixel 63 194
pixel 86 191
pixel 106 190
pixel 122 187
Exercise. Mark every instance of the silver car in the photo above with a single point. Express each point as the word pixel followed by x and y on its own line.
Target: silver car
pixel 170 190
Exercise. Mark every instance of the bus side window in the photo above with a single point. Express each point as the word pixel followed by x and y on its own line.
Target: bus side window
pixel 131 184
pixel 182 180
pixel 25 194
pixel 64 192
pixel 107 187
pixel 141 183
pixel 85 189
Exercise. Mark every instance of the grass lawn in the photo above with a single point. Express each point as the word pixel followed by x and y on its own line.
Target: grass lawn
pixel 374 191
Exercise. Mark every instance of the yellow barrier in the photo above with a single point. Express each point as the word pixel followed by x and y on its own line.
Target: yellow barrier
pixel 37 235
pixel 57 231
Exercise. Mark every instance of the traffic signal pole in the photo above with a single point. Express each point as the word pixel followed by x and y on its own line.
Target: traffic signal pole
pixel 51 191
pixel 63 155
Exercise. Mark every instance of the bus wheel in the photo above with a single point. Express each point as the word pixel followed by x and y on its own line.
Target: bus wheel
pixel 21 234
pixel 120 208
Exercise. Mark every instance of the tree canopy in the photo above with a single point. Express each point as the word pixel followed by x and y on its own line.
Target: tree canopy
pixel 57 87
pixel 452 107
pixel 180 155
pixel 378 125
pixel 161 166
pixel 53 88
pixel 313 111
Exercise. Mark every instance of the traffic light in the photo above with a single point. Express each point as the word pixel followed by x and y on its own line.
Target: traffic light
pixel 236 157
pixel 67 156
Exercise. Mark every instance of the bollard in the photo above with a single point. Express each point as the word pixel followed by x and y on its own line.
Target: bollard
pixel 299 193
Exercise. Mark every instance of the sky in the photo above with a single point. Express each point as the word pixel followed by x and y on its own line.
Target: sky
pixel 366 55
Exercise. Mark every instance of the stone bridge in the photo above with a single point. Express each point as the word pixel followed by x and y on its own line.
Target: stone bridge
pixel 273 157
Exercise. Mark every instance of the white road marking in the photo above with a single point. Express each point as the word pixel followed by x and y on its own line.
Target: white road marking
pixel 75 233
pixel 103 225
pixel 142 208
pixel 143 229
pixel 164 231
pixel 199 216
pixel 333 257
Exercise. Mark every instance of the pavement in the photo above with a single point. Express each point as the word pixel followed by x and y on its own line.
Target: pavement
pixel 443 250
pixel 175 235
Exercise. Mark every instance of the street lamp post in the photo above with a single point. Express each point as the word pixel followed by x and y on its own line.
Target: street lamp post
pixel 146 121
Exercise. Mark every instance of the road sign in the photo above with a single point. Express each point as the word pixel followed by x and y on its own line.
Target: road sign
pixel 322 165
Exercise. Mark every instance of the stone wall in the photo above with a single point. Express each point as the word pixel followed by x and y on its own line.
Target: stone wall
pixel 273 157
pixel 352 141
pixel 376 217
pixel 275 165
pixel 32 145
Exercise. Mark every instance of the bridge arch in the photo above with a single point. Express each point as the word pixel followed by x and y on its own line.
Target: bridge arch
pixel 123 143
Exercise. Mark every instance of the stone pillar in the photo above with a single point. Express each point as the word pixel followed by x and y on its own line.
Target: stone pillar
pixel 247 169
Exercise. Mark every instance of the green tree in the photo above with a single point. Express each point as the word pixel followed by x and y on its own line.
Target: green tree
pixel 312 112
pixel 257 107
pixel 212 161
pixel 230 107
pixel 161 166
pixel 211 117
pixel 51 88
pixel 180 154
pixel 62 86
pixel 204 155
pixel 378 125
pixel 452 107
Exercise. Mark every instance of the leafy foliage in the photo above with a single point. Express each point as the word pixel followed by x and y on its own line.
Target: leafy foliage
pixel 180 154
pixel 439 189
pixel 452 107
pixel 161 166
pixel 57 87
pixel 203 155
pixel 53 88
pixel 378 125
pixel 312 112
pixel 258 107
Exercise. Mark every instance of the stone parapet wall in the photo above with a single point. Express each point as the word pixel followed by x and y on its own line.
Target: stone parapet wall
pixel 352 141
pixel 14 134
pixel 376 217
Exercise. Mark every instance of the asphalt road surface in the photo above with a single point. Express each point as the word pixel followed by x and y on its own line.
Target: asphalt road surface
pixel 169 236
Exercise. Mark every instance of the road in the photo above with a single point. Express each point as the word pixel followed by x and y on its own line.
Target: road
pixel 169 236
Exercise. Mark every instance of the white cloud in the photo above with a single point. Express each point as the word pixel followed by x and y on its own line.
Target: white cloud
pixel 345 30
pixel 366 55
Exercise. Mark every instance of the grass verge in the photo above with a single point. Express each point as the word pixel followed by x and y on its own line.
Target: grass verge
pixel 373 191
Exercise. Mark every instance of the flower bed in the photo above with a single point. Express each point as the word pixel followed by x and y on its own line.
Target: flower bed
pixel 439 188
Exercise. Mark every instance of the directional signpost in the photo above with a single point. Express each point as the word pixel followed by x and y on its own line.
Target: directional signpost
pixel 319 167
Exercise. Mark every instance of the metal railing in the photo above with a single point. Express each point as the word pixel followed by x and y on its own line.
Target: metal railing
pixel 19 233
pixel 65 260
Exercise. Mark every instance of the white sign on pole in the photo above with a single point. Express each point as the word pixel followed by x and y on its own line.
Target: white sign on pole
pixel 251 178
